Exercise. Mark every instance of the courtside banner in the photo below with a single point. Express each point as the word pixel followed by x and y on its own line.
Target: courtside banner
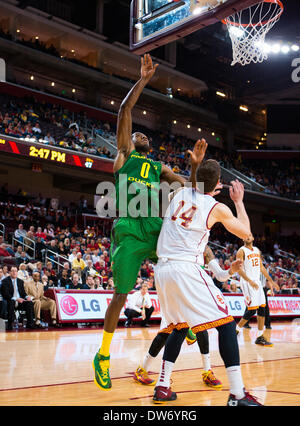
pixel 88 305
pixel 280 305
pixel 91 305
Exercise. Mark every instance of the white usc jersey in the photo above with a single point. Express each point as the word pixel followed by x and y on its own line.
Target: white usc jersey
pixel 184 232
pixel 253 297
pixel 252 264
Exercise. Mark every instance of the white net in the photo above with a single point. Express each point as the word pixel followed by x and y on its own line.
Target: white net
pixel 248 29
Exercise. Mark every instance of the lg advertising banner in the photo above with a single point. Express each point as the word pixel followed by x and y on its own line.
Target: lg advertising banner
pixel 85 305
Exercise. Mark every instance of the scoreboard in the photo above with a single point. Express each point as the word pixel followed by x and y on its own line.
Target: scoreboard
pixel 53 154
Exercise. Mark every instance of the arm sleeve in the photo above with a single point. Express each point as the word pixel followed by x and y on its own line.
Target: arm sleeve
pixel 219 273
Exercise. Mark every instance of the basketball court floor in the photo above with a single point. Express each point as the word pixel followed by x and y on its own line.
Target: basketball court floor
pixel 43 368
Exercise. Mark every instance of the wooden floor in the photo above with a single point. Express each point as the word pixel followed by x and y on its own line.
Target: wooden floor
pixel 55 368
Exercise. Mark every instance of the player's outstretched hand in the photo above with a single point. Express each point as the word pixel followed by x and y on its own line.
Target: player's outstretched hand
pixel 235 266
pixel 198 153
pixel 236 191
pixel 217 189
pixel 147 67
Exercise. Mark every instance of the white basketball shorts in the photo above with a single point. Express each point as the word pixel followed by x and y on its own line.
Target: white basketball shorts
pixel 188 297
pixel 253 298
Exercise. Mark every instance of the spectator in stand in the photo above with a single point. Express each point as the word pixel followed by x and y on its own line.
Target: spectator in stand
pixel 88 271
pixel 98 283
pixel 64 279
pixel 20 233
pixel 78 263
pixel 75 285
pixel 40 247
pixel 104 277
pixel 23 258
pixel 35 289
pixel 45 282
pixel 51 274
pixel 73 255
pixel 49 140
pixel 37 131
pixel 110 284
pixel 3 251
pixel 89 285
pixel 23 273
pixel 12 290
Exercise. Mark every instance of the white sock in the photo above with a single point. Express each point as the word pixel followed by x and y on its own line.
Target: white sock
pixel 165 374
pixel 206 361
pixel 260 333
pixel 236 383
pixel 147 361
pixel 238 328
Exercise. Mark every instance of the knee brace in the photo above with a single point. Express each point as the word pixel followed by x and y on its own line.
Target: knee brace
pixel 249 313
pixel 261 311
pixel 158 343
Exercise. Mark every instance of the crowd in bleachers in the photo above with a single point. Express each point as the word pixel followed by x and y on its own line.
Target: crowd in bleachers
pixel 53 125
pixel 44 236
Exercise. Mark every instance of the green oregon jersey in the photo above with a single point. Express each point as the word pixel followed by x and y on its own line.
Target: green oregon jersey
pixel 137 187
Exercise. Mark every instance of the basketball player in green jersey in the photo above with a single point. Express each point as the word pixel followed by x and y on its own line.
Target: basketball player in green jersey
pixel 134 239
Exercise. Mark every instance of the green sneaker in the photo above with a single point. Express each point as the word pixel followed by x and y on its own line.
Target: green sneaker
pixel 101 368
pixel 191 337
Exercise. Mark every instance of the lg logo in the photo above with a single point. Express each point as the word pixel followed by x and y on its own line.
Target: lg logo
pixel 296 72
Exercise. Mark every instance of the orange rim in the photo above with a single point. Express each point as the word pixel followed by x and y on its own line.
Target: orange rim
pixel 227 21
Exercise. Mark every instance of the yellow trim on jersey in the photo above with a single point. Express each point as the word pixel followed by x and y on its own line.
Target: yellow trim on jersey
pixel 212 324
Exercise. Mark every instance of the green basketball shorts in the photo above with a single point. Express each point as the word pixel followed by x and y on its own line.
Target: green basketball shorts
pixel 132 241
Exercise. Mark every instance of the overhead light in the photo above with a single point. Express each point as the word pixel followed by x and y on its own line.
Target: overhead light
pixel 266 48
pixel 198 10
pixel 18 30
pixel 31 77
pixel 73 90
pixel 285 49
pixel 275 48
pixel 174 122
pixel 221 94
pixel 144 112
pixel 72 51
pixel 213 134
pixel 37 37
pixel 52 84
pixel 295 47
pixel 244 108
pixel 112 102
pixel 199 129
pixel 188 126
pixel 237 32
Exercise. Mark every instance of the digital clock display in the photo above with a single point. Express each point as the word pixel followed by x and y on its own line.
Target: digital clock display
pixel 54 155
pixel 47 154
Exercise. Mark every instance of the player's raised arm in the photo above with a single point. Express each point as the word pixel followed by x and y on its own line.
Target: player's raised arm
pixel 240 225
pixel 124 125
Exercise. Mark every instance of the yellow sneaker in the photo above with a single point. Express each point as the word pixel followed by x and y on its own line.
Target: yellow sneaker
pixel 141 376
pixel 210 379
pixel 101 368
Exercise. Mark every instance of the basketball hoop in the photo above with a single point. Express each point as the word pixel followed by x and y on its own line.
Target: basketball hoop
pixel 248 29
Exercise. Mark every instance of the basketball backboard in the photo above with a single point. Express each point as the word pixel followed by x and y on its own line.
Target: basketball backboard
pixel 154 23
